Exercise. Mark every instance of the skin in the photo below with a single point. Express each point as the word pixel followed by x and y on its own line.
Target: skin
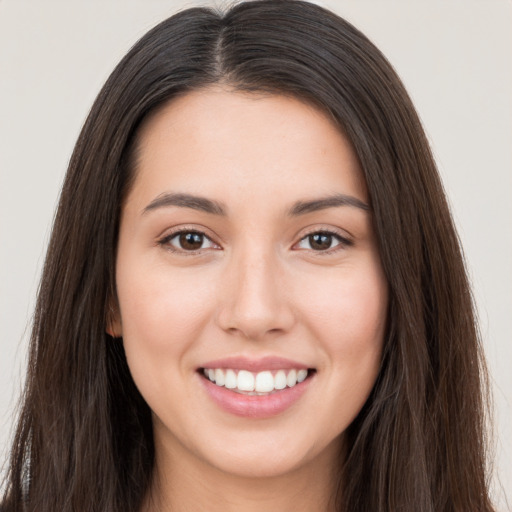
pixel 256 287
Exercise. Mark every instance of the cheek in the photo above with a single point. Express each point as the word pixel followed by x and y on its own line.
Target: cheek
pixel 351 310
pixel 158 305
pixel 162 316
pixel 348 316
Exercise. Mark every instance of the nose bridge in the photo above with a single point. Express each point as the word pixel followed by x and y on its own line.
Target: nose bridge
pixel 254 300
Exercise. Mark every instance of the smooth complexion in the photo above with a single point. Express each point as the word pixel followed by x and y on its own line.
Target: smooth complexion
pixel 279 266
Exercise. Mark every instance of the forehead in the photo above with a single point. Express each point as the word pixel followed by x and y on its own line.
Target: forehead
pixel 235 144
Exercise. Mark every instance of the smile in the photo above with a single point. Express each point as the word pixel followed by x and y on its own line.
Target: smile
pixel 256 389
pixel 255 384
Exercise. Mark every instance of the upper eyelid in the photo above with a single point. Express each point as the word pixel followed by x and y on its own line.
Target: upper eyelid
pixel 174 234
pixel 342 241
pixel 164 242
pixel 343 235
pixel 168 234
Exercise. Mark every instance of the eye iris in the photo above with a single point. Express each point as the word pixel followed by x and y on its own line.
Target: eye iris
pixel 320 241
pixel 191 241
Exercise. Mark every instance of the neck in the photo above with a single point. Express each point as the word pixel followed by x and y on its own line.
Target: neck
pixel 179 486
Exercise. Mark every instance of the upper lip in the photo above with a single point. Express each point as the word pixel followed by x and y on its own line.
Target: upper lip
pixel 255 364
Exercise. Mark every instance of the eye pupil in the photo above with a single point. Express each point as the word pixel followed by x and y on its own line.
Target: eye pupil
pixel 191 241
pixel 320 241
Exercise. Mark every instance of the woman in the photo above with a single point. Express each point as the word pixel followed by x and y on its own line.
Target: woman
pixel 254 295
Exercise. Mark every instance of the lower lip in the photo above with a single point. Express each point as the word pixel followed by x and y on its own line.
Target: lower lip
pixel 254 406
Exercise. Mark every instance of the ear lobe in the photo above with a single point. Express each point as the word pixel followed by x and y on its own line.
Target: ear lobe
pixel 114 327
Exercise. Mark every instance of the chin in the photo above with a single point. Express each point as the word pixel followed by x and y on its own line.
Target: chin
pixel 273 458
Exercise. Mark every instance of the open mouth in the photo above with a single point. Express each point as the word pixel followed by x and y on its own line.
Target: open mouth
pixel 261 383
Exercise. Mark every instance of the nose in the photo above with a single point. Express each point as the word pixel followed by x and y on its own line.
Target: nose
pixel 255 302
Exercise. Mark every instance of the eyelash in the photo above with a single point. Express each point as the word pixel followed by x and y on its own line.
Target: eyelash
pixel 343 242
pixel 166 241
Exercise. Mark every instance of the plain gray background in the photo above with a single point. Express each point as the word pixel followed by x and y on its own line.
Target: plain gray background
pixel 455 58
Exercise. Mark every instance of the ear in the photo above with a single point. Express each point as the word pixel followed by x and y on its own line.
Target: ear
pixel 114 326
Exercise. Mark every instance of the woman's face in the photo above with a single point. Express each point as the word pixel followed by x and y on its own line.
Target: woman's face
pixel 251 295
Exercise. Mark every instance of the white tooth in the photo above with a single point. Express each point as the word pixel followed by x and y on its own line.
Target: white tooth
pixel 301 375
pixel 211 374
pixel 245 381
pixel 291 379
pixel 264 382
pixel 230 379
pixel 280 380
pixel 205 372
pixel 219 377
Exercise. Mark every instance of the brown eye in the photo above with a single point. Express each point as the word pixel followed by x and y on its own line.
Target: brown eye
pixel 323 241
pixel 320 241
pixel 188 241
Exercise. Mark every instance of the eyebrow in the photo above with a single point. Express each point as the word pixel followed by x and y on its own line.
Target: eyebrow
pixel 216 208
pixel 336 200
pixel 186 201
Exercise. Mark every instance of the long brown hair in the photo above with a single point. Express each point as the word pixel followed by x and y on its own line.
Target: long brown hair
pixel 84 439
